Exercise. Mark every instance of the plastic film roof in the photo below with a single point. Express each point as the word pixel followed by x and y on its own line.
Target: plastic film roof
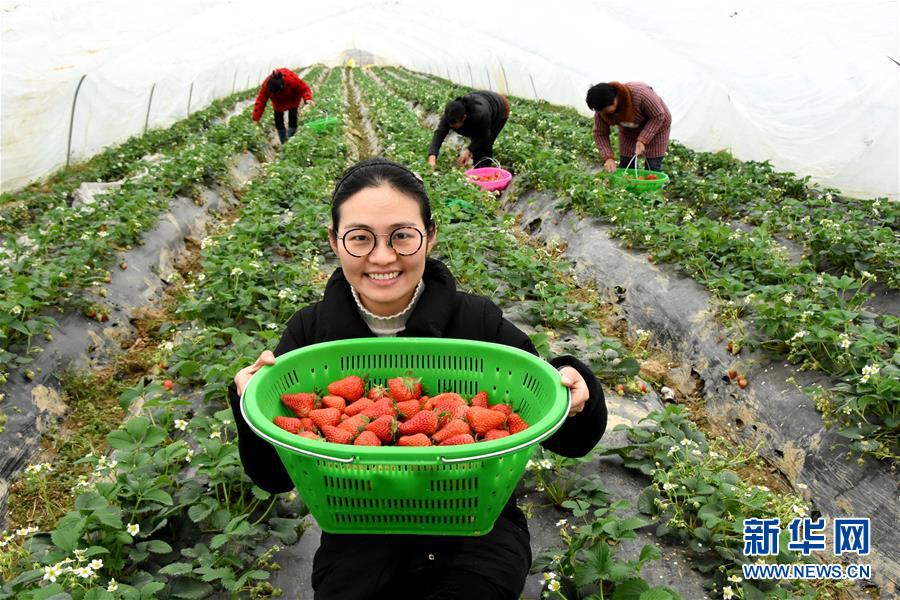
pixel 811 86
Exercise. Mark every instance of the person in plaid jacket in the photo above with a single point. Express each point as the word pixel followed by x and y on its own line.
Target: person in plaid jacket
pixel 643 119
pixel 287 91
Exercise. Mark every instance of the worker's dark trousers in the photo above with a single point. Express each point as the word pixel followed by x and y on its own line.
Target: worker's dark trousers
pixel 292 123
pixel 408 567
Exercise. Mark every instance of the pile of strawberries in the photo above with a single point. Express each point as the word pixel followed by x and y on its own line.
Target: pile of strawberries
pixel 399 415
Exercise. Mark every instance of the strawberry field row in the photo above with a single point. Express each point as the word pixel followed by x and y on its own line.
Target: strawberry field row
pixel 864 240
pixel 817 320
pixel 695 495
pixel 176 474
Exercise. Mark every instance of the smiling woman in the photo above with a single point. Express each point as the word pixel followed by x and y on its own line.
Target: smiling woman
pixel 382 232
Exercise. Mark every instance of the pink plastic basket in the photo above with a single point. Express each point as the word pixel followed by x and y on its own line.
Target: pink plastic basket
pixel 489 178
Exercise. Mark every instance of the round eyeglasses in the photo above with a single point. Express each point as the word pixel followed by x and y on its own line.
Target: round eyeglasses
pixel 403 240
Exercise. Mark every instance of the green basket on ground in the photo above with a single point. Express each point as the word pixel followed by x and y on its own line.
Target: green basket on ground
pixel 630 180
pixel 323 124
pixel 438 490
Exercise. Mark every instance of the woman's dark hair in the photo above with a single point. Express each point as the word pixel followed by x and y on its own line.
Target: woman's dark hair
pixel 375 172
pixel 455 111
pixel 275 83
pixel 600 95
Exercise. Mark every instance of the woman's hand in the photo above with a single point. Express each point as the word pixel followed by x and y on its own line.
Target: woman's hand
pixel 640 148
pixel 464 157
pixel 573 380
pixel 610 165
pixel 432 160
pixel 243 376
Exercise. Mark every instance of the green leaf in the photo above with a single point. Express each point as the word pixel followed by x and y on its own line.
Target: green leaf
pixel 90 501
pixel 210 574
pixel 109 516
pixel 160 496
pixel 649 552
pixel 257 574
pixel 596 567
pixel 98 594
pixel 158 547
pixel 630 590
pixel 176 568
pixel 191 588
pixel 198 512
pixel 260 493
pixel 68 531
pixel 149 590
pixel 54 591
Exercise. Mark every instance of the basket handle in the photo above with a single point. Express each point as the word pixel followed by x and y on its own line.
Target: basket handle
pixel 539 439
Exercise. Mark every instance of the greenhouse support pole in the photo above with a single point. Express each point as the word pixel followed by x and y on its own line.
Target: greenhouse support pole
pixel 247 85
pixel 471 79
pixel 190 96
pixel 505 80
pixel 149 102
pixel 72 119
pixel 490 84
pixel 458 75
pixel 234 81
pixel 533 89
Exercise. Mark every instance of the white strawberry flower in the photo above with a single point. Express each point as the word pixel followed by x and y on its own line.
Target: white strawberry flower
pixel 52 572
pixel 133 529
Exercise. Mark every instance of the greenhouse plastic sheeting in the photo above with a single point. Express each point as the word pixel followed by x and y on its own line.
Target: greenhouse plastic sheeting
pixel 810 86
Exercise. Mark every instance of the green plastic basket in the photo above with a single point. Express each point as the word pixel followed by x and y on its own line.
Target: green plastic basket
pixel 628 178
pixel 438 490
pixel 322 124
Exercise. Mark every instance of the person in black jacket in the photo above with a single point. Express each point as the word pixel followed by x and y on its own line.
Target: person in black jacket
pixel 479 116
pixel 393 288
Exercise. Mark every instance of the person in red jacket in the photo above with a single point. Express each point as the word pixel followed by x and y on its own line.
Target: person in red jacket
pixel 287 91
pixel 643 119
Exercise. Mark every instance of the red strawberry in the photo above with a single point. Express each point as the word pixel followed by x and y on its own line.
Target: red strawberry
pixel 454 427
pixel 420 439
pixel 336 435
pixel 408 408
pixel 426 403
pixel 307 424
pixel 309 435
pixel 384 427
pixel 300 403
pixel 378 391
pixel 350 388
pixel 354 424
pixel 423 422
pixel 367 438
pixel 358 407
pixel 515 424
pixel 444 401
pixel 506 409
pixel 291 424
pixel 457 440
pixel 325 417
pixel 168 383
pixel 732 374
pixel 453 411
pixel 495 434
pixel 483 420
pixel 383 407
pixel 404 388
pixel 742 383
pixel 479 399
pixel 334 402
